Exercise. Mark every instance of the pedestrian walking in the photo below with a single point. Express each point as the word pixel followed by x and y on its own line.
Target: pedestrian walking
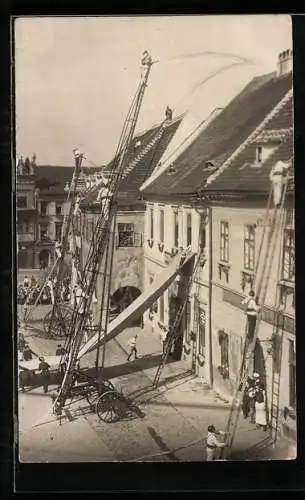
pixel 278 177
pixel 132 344
pixel 212 443
pixel 251 312
pixel 44 368
pixel 260 408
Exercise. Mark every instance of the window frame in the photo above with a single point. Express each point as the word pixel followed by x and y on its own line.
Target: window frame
pixel 290 250
pixel 189 235
pixel 151 226
pixel 224 241
pixel 161 225
pixel 224 350
pixel 176 229
pixel 22 205
pixel 249 247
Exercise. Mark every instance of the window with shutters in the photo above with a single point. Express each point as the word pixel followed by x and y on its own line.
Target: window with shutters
pixel 188 230
pixel 161 227
pixel 249 248
pixel 292 375
pixel 224 241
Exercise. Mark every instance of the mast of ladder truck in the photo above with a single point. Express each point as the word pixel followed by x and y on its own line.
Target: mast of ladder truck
pixel 102 246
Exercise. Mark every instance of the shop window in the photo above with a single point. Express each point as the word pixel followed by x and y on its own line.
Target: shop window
pixel 128 237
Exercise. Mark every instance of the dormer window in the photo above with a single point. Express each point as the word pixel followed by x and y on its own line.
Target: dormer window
pixel 263 151
pixel 259 154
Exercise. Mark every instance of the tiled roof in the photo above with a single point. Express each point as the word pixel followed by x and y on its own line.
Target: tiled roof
pixel 222 136
pixel 243 173
pixel 141 162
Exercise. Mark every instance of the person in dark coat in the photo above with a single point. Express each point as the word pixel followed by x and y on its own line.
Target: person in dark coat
pixel 27 353
pixel 44 368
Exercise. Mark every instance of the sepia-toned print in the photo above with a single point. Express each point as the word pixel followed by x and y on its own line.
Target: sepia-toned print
pixel 155 239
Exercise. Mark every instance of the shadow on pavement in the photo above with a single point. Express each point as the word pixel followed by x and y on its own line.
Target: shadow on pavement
pixel 137 365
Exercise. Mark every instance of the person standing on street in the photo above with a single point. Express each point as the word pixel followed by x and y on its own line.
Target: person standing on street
pixel 212 443
pixel 132 344
pixel 260 407
pixel 44 368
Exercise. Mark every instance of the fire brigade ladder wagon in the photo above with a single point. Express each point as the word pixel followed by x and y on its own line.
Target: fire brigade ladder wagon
pixel 101 250
pixel 270 238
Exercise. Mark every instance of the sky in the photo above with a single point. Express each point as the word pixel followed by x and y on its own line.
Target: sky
pixel 75 77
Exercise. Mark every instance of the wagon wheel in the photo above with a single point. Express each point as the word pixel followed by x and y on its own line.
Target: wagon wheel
pixel 91 396
pixel 56 323
pixel 110 407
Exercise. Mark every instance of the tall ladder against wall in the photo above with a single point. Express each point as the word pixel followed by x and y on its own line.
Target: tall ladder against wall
pixel 266 255
pixel 175 330
pixel 277 350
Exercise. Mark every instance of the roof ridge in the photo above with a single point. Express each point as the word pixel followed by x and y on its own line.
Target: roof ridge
pixel 252 136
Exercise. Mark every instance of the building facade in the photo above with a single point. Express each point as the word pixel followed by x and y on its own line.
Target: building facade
pixel 229 164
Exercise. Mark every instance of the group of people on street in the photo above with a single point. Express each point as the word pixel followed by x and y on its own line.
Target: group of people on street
pixel 254 401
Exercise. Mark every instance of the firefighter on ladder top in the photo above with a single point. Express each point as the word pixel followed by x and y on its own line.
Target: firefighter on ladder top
pixel 278 177
pixel 146 62
pixel 251 312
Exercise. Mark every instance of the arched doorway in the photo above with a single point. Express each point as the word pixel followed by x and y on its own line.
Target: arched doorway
pixel 44 258
pixel 122 298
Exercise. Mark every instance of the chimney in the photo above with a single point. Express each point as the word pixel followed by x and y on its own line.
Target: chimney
pixel 284 64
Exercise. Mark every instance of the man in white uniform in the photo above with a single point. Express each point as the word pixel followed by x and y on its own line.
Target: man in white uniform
pixel 212 443
pixel 278 177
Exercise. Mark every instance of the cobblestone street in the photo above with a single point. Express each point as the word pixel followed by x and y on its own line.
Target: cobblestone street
pixel 169 423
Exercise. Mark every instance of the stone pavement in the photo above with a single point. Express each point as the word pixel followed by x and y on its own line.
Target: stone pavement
pixel 174 415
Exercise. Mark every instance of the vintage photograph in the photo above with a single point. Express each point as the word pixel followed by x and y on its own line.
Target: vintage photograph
pixel 155 240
